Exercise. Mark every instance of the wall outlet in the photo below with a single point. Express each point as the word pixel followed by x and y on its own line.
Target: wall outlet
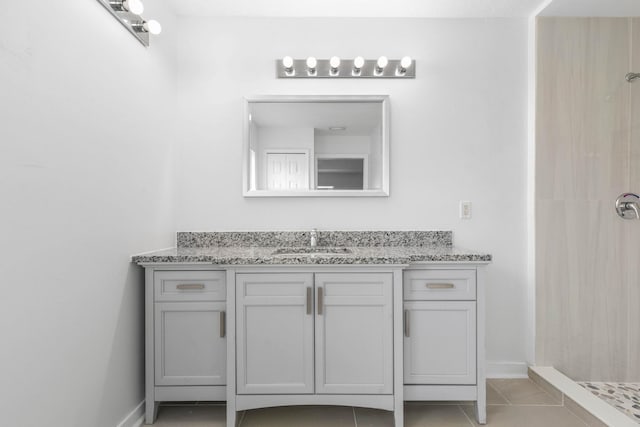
pixel 465 209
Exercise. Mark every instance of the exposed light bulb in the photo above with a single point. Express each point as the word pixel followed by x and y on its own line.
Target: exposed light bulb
pixel 358 62
pixel 312 63
pixel 287 62
pixel 133 6
pixel 405 62
pixel 334 63
pixel 152 26
pixel 382 62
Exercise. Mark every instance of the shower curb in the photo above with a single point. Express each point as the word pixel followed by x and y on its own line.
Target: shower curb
pixel 589 408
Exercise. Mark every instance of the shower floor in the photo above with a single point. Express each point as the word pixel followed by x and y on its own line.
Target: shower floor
pixel 625 397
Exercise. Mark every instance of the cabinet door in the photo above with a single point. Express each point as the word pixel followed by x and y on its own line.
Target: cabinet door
pixel 274 333
pixel 354 333
pixel 190 347
pixel 440 342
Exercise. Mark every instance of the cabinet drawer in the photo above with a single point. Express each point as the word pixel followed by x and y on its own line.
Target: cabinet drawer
pixel 439 285
pixel 190 286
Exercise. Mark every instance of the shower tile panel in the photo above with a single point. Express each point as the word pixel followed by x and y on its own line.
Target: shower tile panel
pixel 634 90
pixel 633 229
pixel 632 252
pixel 587 154
pixel 581 309
pixel 582 108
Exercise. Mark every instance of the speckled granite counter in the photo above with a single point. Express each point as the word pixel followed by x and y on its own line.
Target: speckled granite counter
pixel 349 247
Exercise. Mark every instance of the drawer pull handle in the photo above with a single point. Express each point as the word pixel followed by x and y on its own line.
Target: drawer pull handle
pixel 223 324
pixel 320 300
pixel 406 324
pixel 309 296
pixel 440 285
pixel 190 286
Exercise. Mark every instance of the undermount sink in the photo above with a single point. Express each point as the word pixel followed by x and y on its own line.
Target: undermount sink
pixel 311 250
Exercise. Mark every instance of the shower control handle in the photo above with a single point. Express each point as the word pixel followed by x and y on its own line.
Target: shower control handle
pixel 628 206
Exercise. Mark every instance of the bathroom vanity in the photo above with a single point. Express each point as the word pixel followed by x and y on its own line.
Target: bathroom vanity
pixel 369 319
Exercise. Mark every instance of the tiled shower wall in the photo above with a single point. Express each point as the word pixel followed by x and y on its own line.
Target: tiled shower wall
pixel 587 154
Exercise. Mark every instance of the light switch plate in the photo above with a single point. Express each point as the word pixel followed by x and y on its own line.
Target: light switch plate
pixel 465 209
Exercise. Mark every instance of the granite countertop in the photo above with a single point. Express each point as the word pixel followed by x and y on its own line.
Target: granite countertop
pixel 334 247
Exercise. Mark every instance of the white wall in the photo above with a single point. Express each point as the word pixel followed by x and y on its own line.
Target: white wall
pixel 85 180
pixel 458 132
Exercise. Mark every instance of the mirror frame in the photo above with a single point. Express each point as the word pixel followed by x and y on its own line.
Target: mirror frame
pixel 383 100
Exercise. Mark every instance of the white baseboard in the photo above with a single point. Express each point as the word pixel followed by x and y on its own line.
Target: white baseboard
pixel 135 417
pixel 497 369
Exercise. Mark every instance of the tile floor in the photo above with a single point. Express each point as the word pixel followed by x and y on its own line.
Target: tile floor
pixel 511 403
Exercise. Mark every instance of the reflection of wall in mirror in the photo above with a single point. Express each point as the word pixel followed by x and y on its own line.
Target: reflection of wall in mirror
pixel 280 140
pixel 375 158
pixel 253 149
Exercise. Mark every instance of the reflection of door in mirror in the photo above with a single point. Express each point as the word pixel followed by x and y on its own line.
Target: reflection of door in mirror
pixel 287 171
pixel 284 157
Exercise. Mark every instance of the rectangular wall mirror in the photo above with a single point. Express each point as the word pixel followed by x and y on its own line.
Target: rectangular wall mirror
pixel 316 146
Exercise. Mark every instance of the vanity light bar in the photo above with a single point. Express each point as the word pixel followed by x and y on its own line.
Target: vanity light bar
pixel 127 12
pixel 287 68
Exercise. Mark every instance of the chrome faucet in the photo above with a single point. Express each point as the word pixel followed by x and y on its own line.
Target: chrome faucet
pixel 314 238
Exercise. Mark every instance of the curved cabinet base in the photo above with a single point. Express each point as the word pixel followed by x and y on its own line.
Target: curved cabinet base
pixel 266 401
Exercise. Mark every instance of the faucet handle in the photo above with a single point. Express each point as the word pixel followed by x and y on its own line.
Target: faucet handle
pixel 628 206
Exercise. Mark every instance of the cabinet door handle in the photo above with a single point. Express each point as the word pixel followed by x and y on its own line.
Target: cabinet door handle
pixel 190 286
pixel 309 296
pixel 406 323
pixel 440 285
pixel 320 300
pixel 223 324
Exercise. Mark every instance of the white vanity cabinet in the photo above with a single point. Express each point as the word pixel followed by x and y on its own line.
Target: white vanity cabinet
pixel 186 348
pixel 443 335
pixel 314 333
pixel 260 336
